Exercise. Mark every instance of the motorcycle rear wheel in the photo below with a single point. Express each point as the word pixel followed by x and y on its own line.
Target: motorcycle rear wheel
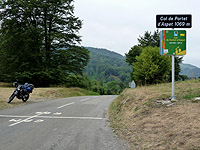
pixel 11 97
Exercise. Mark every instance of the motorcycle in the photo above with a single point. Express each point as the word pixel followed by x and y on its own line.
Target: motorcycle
pixel 21 91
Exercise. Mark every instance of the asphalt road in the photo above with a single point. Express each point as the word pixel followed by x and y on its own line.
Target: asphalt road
pixel 78 123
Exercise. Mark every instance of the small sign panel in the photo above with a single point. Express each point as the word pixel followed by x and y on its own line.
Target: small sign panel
pixel 173 21
pixel 173 42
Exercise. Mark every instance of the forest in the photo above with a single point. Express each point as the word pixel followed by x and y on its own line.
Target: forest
pixel 108 68
pixel 40 42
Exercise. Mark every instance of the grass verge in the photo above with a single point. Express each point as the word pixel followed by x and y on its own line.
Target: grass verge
pixel 137 117
pixel 40 94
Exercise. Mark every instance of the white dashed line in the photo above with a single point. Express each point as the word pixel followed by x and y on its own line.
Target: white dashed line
pixel 65 105
pixel 85 99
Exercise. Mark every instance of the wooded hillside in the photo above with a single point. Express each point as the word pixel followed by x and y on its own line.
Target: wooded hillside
pixel 106 66
pixel 190 70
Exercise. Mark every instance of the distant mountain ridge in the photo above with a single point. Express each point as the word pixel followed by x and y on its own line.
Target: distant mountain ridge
pixel 190 70
pixel 105 52
pixel 106 65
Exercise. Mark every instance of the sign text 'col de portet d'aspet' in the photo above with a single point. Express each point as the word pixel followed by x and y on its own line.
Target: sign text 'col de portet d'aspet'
pixel 173 21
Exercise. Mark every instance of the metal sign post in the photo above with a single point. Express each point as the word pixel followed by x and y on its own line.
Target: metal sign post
pixel 173 42
pixel 173 97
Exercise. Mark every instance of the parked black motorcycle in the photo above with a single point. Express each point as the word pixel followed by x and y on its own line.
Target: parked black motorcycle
pixel 21 91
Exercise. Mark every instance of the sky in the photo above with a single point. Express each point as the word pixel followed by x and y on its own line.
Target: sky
pixel 116 24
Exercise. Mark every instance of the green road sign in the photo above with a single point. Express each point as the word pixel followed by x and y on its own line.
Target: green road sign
pixel 173 42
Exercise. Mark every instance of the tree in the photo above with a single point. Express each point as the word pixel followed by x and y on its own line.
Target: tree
pixel 149 39
pixel 144 41
pixel 153 40
pixel 35 34
pixel 72 59
pixel 178 60
pixel 151 67
pixel 114 87
pixel 131 55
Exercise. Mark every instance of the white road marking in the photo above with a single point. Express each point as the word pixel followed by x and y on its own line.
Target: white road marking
pixel 57 113
pixel 84 118
pixel 65 105
pixel 14 120
pixel 25 120
pixel 39 112
pixel 47 117
pixel 46 113
pixel 37 121
pixel 13 116
pixel 28 120
pixel 85 99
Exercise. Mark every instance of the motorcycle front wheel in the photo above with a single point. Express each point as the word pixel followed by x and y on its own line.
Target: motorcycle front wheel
pixel 25 98
pixel 11 97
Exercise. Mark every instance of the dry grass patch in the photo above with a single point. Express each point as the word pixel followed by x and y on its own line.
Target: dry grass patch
pixel 137 117
pixel 40 94
pixel 4 95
